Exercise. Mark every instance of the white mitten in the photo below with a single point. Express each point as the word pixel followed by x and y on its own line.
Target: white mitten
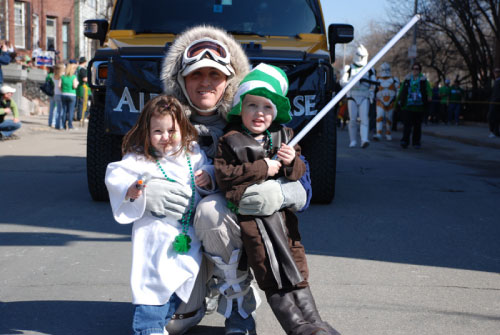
pixel 166 198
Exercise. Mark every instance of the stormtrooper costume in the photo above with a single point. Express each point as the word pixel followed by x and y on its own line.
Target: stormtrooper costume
pixel 359 97
pixel 385 98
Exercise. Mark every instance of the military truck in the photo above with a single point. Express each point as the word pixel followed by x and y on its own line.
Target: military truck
pixel 291 34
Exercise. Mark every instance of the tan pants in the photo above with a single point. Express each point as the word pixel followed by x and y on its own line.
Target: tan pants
pixel 220 234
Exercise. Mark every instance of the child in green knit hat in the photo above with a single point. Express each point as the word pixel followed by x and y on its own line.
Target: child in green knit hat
pixel 252 150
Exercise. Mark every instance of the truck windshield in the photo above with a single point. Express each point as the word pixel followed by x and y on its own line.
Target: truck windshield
pixel 260 17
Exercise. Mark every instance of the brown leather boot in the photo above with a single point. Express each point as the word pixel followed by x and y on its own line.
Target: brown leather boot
pixel 305 302
pixel 290 316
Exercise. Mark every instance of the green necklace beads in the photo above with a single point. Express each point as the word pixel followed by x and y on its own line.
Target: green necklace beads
pixel 268 134
pixel 182 241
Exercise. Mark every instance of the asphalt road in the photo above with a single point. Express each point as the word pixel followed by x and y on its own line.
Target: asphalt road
pixel 410 244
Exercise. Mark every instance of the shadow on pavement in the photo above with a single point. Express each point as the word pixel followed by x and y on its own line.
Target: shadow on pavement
pixel 51 192
pixel 73 317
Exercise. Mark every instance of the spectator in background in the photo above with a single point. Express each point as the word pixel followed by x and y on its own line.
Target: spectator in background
pixel 494 110
pixel 10 46
pixel 414 96
pixel 52 102
pixel 455 102
pixel 68 85
pixel 59 112
pixel 444 95
pixel 434 108
pixel 8 107
pixel 81 74
pixel 4 59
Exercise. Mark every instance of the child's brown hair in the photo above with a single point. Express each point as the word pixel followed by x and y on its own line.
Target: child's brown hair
pixel 137 140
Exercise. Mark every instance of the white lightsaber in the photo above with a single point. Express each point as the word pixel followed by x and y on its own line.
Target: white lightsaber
pixel 353 81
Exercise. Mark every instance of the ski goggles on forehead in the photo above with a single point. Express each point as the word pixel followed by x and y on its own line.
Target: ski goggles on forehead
pixel 198 49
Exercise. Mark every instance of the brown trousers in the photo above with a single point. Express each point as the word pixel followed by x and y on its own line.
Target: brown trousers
pixel 258 258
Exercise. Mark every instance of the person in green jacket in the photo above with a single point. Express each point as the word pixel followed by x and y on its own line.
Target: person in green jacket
pixel 81 75
pixel 8 107
pixel 414 96
pixel 456 100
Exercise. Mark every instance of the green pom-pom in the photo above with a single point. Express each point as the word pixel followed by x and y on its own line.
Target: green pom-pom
pixel 181 243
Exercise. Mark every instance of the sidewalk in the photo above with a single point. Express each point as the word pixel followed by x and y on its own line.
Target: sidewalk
pixel 472 133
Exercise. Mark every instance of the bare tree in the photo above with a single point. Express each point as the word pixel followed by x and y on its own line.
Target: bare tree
pixel 456 39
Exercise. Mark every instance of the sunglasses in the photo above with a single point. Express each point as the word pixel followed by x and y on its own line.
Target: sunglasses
pixel 200 48
pixel 416 69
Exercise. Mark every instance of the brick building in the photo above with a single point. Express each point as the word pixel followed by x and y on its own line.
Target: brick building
pixel 46 24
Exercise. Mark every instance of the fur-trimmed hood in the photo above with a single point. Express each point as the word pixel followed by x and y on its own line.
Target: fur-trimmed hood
pixel 173 63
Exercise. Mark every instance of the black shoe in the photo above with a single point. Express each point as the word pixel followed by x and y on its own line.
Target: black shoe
pixel 417 146
pixel 8 138
pixel 404 144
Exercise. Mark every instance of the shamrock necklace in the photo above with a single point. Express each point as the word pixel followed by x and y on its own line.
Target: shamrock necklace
pixel 182 241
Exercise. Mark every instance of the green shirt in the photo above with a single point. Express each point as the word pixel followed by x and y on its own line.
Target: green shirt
pixel 456 94
pixel 444 94
pixel 13 108
pixel 67 84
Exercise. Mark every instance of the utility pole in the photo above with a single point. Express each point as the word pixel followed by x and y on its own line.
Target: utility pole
pixel 497 45
pixel 413 48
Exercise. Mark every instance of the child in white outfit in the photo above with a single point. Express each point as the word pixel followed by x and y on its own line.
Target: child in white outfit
pixel 166 255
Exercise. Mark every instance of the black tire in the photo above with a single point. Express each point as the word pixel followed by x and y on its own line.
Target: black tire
pixel 102 149
pixel 320 150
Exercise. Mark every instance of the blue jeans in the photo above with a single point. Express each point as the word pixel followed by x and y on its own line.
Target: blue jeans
pixel 58 112
pixel 150 319
pixel 454 112
pixel 52 114
pixel 68 107
pixel 8 127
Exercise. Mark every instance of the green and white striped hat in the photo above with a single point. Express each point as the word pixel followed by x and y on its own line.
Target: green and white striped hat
pixel 266 81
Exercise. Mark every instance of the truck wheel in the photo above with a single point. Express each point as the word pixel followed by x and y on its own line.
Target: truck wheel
pixel 320 150
pixel 102 149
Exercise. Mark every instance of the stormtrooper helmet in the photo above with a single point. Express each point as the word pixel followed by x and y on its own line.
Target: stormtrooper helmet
pixel 361 56
pixel 385 70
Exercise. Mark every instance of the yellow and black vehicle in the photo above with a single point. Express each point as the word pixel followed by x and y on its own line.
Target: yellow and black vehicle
pixel 291 34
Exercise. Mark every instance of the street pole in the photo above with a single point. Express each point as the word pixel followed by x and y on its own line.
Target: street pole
pixel 412 59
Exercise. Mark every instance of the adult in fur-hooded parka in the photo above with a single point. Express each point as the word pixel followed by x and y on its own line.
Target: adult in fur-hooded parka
pixel 173 65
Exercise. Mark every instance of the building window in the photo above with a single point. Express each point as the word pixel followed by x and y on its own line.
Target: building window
pixel 65 40
pixel 51 33
pixel 19 24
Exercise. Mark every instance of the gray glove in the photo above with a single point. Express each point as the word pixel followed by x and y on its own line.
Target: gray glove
pixel 166 198
pixel 261 199
pixel 294 193
pixel 272 195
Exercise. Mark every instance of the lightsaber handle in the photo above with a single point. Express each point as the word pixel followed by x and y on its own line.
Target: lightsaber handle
pixel 353 81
